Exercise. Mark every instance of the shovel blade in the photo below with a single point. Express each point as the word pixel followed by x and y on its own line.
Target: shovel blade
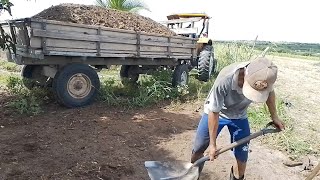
pixel 174 170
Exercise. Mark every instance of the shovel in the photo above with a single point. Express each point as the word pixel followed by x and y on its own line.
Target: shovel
pixel 188 171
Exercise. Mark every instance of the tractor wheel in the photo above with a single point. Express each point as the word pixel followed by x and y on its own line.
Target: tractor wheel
pixel 180 75
pixel 129 74
pixel 206 64
pixel 76 85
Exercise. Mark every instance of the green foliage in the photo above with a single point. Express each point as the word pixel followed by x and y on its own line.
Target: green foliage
pixel 6 5
pixel 228 53
pixel 123 5
pixel 6 41
pixel 26 101
pixel 8 66
pixel 151 89
pixel 285 48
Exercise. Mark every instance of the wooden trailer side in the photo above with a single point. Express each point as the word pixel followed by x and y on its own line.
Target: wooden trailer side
pixel 68 39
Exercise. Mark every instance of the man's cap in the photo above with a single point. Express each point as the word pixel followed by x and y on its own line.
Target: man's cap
pixel 259 79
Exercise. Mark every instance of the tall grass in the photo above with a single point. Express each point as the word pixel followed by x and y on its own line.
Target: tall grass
pixel 150 89
pixel 228 53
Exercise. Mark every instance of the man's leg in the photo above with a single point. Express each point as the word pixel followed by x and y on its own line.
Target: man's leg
pixel 239 129
pixel 202 139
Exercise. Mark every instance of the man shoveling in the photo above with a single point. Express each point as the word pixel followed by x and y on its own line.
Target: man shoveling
pixel 236 87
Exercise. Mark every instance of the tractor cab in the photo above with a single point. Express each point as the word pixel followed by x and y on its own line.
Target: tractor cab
pixel 196 25
pixel 193 25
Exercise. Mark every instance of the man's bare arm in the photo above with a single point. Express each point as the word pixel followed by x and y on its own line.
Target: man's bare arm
pixel 213 124
pixel 271 103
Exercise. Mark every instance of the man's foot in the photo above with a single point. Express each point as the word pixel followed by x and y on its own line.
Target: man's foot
pixel 232 177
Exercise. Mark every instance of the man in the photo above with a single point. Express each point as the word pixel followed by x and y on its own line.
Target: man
pixel 236 86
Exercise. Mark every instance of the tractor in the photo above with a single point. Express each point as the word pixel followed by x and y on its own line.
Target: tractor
pixel 196 25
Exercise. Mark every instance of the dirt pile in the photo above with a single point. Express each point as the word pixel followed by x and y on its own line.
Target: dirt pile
pixel 95 15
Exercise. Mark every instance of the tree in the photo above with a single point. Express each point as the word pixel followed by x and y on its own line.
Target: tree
pixel 6 5
pixel 123 5
pixel 6 41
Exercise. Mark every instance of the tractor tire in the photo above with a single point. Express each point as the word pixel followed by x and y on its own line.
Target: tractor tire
pixel 206 64
pixel 32 77
pixel 76 85
pixel 129 74
pixel 180 75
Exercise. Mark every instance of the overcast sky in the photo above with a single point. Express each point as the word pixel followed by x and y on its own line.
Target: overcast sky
pixel 272 20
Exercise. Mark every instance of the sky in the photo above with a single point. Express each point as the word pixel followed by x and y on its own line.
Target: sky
pixel 272 20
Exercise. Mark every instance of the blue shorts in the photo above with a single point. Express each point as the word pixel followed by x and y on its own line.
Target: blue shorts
pixel 238 128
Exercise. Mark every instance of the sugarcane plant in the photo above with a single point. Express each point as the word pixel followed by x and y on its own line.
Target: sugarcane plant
pixel 123 5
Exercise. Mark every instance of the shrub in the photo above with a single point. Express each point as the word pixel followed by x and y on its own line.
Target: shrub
pixel 25 101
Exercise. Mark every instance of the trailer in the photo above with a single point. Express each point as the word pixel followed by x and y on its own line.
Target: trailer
pixel 68 56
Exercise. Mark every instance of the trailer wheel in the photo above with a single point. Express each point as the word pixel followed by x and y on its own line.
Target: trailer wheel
pixel 76 85
pixel 32 77
pixel 207 64
pixel 180 75
pixel 129 74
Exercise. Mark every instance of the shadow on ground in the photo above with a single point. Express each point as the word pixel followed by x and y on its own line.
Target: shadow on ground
pixel 95 142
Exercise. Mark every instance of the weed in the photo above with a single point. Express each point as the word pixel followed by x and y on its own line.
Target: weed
pixel 150 89
pixel 26 101
pixel 9 66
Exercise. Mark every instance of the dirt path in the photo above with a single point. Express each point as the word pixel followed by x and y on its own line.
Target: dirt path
pixel 263 164
pixel 99 142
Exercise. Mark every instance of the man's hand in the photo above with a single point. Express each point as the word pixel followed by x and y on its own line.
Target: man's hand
pixel 277 122
pixel 212 151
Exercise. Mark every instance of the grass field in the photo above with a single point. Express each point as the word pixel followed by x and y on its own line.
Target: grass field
pixel 286 49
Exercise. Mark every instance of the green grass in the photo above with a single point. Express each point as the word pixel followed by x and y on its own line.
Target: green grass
pixel 3 79
pixel 150 89
pixel 316 58
pixel 309 51
pixel 9 66
pixel 25 101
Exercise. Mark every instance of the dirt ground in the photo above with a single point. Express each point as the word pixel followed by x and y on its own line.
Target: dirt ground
pixel 100 142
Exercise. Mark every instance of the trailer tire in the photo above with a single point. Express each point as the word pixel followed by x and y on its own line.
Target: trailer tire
pixel 180 75
pixel 76 85
pixel 32 77
pixel 206 64
pixel 129 74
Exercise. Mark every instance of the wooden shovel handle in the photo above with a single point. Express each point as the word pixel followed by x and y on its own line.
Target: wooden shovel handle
pixel 264 131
